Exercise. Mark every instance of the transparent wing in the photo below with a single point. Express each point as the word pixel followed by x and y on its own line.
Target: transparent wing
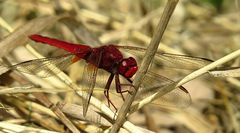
pixel 173 60
pixel 177 98
pixel 45 67
pixel 88 83
pixel 173 97
pixel 181 61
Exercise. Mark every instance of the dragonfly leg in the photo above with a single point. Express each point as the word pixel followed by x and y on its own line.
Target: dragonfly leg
pixel 119 88
pixel 131 85
pixel 129 91
pixel 106 91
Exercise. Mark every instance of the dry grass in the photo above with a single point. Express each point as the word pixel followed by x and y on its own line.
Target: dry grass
pixel 33 104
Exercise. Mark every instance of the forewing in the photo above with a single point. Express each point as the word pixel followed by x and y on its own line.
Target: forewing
pixel 88 84
pixel 181 61
pixel 173 97
pixel 172 60
pixel 45 67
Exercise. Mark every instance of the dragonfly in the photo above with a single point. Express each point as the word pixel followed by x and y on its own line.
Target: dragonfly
pixel 110 59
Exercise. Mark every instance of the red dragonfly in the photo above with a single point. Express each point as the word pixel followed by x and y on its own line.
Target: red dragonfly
pixel 110 59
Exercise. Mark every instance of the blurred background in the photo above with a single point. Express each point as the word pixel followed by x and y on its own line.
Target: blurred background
pixel 201 28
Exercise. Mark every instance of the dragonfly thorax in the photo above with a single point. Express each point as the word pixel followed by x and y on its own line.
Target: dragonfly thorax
pixel 111 59
pixel 106 57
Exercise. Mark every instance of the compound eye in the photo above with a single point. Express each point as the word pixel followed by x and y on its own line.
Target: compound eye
pixel 131 71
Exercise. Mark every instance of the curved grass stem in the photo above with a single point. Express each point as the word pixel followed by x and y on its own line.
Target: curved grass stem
pixel 209 67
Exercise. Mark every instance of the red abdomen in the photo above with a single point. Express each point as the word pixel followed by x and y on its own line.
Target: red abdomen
pixel 79 49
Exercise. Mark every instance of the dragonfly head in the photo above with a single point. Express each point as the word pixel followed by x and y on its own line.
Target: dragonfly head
pixel 128 67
